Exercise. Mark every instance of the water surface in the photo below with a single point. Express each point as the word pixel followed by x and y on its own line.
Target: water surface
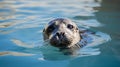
pixel 22 22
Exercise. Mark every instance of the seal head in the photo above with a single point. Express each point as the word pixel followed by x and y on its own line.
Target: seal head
pixel 62 33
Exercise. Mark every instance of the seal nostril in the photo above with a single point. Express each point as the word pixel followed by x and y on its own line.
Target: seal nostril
pixel 63 33
pixel 58 34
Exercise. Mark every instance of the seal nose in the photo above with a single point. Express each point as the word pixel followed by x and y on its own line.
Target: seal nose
pixel 60 34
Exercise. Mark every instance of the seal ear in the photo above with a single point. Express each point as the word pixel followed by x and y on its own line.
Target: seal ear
pixel 82 31
pixel 44 30
pixel 44 34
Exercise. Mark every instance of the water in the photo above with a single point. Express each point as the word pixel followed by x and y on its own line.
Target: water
pixel 22 22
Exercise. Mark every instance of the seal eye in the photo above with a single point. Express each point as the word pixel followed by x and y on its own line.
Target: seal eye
pixel 70 26
pixel 51 28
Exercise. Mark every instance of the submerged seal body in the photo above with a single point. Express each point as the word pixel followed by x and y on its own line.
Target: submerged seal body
pixel 62 33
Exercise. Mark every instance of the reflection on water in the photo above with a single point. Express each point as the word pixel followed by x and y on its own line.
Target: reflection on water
pixel 22 22
pixel 14 53
pixel 21 44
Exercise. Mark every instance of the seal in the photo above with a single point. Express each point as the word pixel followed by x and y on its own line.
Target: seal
pixel 62 33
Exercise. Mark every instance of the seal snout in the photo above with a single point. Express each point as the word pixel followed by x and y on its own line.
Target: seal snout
pixel 60 35
pixel 60 39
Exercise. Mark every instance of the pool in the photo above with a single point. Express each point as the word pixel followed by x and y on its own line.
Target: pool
pixel 22 22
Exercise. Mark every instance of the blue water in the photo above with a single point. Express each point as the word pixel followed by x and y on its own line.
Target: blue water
pixel 22 22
